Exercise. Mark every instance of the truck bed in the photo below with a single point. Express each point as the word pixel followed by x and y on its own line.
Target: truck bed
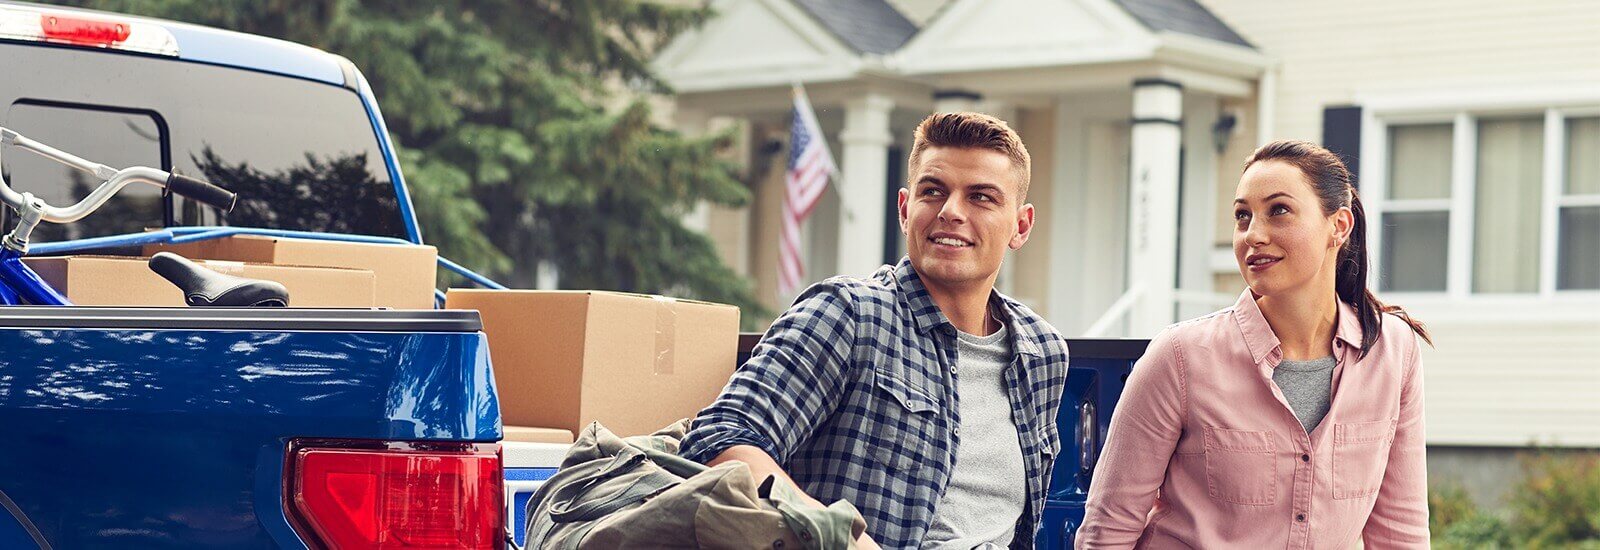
pixel 168 428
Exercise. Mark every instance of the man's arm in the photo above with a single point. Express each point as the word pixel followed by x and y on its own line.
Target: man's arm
pixel 791 385
pixel 761 465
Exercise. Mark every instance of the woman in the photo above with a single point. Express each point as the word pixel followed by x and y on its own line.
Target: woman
pixel 1292 419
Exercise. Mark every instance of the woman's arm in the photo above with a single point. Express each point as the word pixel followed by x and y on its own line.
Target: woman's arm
pixel 1144 432
pixel 1400 517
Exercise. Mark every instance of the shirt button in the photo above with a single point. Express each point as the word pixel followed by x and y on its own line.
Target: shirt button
pixel 953 369
pixel 1300 517
pixel 1305 458
pixel 958 431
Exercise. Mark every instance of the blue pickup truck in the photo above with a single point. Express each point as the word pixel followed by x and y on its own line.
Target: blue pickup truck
pixel 223 427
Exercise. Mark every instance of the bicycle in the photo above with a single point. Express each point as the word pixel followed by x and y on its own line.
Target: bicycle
pixel 20 285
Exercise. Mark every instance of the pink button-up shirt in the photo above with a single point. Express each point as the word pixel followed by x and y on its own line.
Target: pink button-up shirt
pixel 1204 451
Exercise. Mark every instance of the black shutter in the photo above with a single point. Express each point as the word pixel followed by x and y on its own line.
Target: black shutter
pixel 1341 133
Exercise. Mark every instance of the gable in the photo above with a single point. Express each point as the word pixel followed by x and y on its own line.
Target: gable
pixel 1001 34
pixel 753 43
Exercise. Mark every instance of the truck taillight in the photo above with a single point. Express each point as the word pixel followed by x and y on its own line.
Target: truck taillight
pixel 348 495
pixel 38 24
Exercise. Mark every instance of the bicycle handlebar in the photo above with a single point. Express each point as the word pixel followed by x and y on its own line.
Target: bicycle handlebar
pixel 202 191
pixel 114 181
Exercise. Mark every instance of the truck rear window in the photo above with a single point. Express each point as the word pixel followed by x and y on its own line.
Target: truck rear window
pixel 302 155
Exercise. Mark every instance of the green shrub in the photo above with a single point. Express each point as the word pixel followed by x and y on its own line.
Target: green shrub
pixel 1558 503
pixel 1457 523
pixel 1448 504
pixel 1477 530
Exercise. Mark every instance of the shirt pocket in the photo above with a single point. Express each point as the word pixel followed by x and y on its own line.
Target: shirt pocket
pixel 903 427
pixel 1241 466
pixel 1360 456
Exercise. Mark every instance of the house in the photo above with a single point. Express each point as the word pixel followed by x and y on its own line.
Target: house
pixel 1473 126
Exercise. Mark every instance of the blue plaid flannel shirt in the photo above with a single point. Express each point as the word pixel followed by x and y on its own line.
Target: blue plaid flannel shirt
pixel 852 392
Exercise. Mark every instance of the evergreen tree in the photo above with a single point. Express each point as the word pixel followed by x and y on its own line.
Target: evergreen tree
pixel 516 144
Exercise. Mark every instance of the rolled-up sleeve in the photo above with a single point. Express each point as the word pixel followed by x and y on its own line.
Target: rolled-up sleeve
pixel 1145 428
pixel 791 384
pixel 1399 519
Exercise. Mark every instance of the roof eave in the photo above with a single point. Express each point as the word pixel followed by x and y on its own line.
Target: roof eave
pixel 1211 55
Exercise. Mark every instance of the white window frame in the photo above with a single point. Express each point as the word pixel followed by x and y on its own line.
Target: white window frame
pixel 1463 110
pixel 1375 191
pixel 1556 125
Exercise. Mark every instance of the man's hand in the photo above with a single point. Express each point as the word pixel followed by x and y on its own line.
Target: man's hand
pixel 762 465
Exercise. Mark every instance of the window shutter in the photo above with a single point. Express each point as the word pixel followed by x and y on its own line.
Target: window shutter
pixel 1341 133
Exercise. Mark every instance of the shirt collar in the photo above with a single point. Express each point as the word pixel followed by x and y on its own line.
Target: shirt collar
pixel 927 316
pixel 1262 342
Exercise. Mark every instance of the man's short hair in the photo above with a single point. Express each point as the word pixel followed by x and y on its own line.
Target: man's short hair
pixel 972 131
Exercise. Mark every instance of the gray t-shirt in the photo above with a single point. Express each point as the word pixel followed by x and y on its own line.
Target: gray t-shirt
pixel 984 500
pixel 1308 386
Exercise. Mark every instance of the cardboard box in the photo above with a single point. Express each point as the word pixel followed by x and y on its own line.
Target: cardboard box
pixel 128 281
pixel 405 273
pixel 635 363
pixel 524 434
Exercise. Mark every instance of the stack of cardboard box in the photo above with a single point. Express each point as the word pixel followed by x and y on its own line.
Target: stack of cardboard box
pixel 317 273
pixel 404 275
pixel 128 281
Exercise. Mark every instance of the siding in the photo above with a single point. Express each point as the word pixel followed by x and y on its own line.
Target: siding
pixel 1488 382
pixel 1330 51
pixel 1513 384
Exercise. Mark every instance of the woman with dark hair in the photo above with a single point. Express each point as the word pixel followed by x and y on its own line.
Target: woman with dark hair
pixel 1291 419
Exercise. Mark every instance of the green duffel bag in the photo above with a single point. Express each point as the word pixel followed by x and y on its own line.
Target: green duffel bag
pixel 614 493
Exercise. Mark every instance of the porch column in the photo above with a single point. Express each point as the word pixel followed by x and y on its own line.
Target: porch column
pixel 863 175
pixel 1157 142
pixel 694 123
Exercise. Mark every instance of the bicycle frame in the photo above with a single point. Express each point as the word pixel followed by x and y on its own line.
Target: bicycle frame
pixel 20 285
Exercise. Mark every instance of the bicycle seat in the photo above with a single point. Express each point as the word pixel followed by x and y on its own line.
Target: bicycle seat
pixel 204 287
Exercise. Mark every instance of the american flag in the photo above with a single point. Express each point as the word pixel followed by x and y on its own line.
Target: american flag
pixel 810 166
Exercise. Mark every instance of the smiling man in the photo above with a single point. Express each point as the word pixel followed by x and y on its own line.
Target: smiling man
pixel 920 394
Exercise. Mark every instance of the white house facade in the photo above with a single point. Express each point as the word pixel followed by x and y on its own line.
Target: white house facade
pixel 1474 127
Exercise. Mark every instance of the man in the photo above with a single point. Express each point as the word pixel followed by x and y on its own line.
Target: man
pixel 920 395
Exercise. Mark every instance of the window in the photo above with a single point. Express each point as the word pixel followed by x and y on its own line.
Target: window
pixel 301 155
pixel 113 138
pixel 1578 208
pixel 1501 204
pixel 1510 175
pixel 1416 218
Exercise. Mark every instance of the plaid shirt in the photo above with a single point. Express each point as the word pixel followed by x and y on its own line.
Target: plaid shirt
pixel 853 392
